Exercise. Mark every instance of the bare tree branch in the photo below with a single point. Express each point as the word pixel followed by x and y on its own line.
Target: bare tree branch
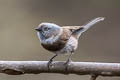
pixel 80 68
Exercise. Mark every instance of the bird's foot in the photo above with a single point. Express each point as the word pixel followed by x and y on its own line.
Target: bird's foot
pixel 67 63
pixel 50 63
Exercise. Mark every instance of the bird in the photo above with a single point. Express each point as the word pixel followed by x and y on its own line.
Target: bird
pixel 62 39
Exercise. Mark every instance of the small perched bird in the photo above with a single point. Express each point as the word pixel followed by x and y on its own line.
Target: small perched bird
pixel 62 40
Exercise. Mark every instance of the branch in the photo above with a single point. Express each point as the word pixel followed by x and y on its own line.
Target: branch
pixel 80 68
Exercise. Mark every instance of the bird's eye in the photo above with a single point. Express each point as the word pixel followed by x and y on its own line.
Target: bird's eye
pixel 46 29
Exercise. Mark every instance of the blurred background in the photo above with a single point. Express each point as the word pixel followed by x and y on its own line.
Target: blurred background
pixel 18 39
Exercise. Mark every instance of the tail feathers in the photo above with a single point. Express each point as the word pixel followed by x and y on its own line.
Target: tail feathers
pixel 92 22
pixel 82 29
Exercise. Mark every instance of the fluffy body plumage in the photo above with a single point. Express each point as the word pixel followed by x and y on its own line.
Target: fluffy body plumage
pixel 62 40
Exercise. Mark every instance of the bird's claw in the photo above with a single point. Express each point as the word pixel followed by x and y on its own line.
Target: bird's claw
pixel 67 63
pixel 49 63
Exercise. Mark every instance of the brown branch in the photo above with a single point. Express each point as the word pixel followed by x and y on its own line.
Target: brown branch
pixel 81 68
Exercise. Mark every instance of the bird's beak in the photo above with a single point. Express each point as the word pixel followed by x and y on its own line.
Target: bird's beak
pixel 38 29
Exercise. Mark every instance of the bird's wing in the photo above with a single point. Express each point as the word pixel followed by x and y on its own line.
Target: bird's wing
pixel 72 28
pixel 67 33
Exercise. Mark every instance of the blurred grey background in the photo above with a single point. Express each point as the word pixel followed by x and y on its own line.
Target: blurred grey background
pixel 18 39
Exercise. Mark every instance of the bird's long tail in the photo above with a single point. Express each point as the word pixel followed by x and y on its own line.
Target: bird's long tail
pixel 92 22
pixel 85 27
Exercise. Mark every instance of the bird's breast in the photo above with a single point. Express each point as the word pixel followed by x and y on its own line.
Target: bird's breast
pixel 56 46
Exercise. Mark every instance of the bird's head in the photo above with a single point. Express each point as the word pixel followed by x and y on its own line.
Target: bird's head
pixel 47 30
